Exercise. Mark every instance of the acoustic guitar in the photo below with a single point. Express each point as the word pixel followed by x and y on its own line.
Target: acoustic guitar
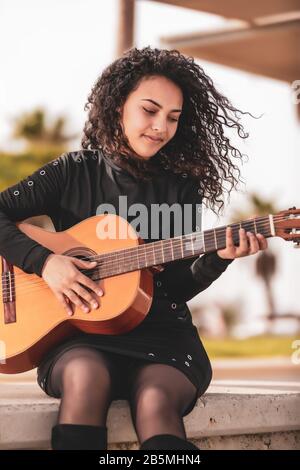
pixel 32 319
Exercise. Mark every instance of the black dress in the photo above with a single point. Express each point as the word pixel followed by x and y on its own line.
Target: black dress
pixel 72 188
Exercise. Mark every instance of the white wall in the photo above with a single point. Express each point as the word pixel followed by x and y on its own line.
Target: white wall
pixel 272 169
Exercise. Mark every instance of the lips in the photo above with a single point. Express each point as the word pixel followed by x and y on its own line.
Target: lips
pixel 152 139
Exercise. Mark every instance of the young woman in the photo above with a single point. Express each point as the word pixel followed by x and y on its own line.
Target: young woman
pixel 156 134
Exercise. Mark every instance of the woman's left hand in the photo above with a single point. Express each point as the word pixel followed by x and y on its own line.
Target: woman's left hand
pixel 249 244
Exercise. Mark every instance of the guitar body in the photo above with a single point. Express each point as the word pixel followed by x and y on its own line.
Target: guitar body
pixel 35 321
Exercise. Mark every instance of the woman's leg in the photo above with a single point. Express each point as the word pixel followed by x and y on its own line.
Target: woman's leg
pixel 159 396
pixel 82 377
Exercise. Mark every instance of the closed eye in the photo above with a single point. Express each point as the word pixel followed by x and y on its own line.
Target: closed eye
pixel 153 112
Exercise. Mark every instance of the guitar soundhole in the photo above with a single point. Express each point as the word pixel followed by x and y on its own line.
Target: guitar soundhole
pixel 87 255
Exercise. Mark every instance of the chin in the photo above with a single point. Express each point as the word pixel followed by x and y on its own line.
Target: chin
pixel 144 154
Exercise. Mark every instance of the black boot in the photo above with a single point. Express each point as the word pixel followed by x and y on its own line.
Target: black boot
pixel 78 436
pixel 167 442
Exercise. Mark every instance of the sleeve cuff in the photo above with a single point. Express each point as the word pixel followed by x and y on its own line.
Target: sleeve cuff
pixel 217 261
pixel 36 259
pixel 210 263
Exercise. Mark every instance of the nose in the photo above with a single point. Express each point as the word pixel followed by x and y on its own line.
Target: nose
pixel 160 125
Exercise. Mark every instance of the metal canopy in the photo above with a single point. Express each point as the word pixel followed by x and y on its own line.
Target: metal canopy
pixel 266 40
pixel 240 9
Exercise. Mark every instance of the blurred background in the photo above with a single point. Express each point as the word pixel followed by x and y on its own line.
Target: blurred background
pixel 52 53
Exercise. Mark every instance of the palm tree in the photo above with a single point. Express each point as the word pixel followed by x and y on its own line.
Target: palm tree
pixel 33 129
pixel 43 142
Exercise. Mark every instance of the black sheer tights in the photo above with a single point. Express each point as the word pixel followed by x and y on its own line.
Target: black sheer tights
pixel 158 394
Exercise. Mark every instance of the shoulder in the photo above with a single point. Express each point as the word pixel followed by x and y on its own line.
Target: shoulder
pixel 81 156
pixel 75 161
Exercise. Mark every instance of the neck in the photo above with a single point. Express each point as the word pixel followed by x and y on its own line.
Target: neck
pixel 181 247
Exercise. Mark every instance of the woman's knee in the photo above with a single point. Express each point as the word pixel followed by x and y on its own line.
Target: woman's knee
pixel 153 400
pixel 84 369
pixel 159 387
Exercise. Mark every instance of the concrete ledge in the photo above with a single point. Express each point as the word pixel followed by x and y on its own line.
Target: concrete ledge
pixel 232 414
pixel 268 441
pixel 272 368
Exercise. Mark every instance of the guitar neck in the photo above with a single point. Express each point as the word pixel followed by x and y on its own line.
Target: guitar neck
pixel 165 251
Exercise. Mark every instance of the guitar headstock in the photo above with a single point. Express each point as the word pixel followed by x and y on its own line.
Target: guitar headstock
pixel 287 225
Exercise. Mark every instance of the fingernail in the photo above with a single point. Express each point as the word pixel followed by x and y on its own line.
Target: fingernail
pixel 94 304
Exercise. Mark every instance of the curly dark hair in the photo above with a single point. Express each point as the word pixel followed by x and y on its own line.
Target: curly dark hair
pixel 199 148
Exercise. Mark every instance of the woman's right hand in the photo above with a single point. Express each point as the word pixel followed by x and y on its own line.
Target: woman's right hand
pixel 67 282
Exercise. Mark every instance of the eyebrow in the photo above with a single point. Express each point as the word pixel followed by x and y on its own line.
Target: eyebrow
pixel 159 105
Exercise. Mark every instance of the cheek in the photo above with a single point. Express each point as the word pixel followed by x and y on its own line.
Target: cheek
pixel 172 131
pixel 142 122
pixel 135 123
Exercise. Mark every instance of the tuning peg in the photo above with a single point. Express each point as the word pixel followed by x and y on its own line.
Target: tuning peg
pixel 292 208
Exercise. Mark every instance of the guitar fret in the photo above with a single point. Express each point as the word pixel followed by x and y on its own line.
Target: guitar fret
pixel 154 258
pixel 186 248
pixel 271 222
pixel 221 238
pixel 163 257
pixel 255 227
pixel 167 250
pixel 145 254
pixel 172 250
pixel 192 243
pixel 215 237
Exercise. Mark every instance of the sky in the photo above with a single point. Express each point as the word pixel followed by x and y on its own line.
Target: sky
pixel 51 53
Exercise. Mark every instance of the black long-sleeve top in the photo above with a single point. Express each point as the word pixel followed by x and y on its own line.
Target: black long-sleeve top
pixel 73 187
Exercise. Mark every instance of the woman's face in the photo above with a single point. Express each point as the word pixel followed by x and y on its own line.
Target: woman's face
pixel 151 111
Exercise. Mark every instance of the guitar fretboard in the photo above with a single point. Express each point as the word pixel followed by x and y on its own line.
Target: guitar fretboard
pixel 181 247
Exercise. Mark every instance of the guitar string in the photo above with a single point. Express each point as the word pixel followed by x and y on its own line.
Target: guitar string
pixel 12 287
pixel 91 271
pixel 207 239
pixel 112 263
pixel 127 255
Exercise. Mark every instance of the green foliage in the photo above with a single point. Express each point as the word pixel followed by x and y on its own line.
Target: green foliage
pixel 15 167
pixel 44 139
pixel 255 346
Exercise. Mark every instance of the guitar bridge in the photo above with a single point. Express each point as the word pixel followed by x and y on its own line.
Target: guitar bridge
pixel 8 292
